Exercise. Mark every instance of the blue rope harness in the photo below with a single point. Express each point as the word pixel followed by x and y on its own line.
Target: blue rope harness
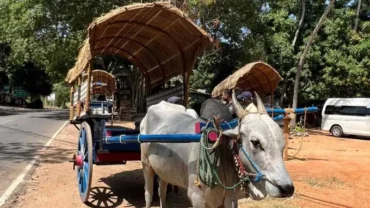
pixel 259 175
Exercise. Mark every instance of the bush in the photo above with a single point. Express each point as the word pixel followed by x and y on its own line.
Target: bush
pixel 61 95
pixel 37 104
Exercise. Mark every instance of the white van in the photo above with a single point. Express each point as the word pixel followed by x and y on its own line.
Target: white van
pixel 346 116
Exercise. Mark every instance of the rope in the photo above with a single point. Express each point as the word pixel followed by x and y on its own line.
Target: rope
pixel 304 132
pixel 206 168
pixel 259 176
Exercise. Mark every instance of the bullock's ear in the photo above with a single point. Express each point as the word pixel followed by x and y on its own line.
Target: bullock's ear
pixel 231 133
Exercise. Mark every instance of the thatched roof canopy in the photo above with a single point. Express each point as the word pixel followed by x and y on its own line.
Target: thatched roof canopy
pixel 156 37
pixel 103 77
pixel 257 76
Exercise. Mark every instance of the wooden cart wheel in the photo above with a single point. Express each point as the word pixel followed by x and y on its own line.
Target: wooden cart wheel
pixel 84 173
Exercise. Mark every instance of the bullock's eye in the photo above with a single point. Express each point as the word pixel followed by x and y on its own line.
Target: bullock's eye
pixel 256 144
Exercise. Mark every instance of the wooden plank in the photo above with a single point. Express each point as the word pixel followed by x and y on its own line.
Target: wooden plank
pixel 89 70
pixel 71 112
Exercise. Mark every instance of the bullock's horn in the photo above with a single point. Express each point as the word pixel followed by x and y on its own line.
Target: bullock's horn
pixel 240 112
pixel 260 106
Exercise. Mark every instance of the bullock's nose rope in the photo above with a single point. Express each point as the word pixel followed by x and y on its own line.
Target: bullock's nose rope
pixel 206 168
pixel 259 176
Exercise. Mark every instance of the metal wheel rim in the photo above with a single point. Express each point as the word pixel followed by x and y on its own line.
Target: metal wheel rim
pixel 84 173
pixel 336 131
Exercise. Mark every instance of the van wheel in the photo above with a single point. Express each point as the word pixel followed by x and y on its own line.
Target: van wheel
pixel 336 131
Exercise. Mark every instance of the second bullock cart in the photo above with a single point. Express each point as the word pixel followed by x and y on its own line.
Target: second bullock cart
pixel 163 43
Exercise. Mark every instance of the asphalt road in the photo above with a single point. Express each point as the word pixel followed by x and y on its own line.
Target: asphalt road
pixel 23 133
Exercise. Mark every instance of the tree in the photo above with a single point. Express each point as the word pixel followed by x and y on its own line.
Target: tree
pixel 61 94
pixel 306 49
pixel 226 22
pixel 48 32
pixel 344 63
pixel 357 15
pixel 303 4
pixel 34 80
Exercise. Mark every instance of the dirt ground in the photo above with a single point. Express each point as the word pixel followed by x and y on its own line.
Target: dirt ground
pixel 327 172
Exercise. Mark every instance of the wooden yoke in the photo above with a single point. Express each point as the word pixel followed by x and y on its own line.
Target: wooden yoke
pixel 289 115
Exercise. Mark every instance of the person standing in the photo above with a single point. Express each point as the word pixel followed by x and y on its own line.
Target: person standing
pixel 174 100
pixel 246 98
pixel 226 97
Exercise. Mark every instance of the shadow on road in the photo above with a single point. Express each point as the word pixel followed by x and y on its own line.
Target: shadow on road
pixel 103 197
pixel 129 186
pixel 57 115
pixel 25 132
pixel 18 152
pixel 7 113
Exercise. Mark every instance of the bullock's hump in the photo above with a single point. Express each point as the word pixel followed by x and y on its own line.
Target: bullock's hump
pixel 214 107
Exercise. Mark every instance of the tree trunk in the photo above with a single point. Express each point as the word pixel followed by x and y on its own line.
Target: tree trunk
pixel 283 90
pixel 303 4
pixel 357 15
pixel 304 54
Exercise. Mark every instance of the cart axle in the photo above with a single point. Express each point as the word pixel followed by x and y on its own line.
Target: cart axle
pixel 77 160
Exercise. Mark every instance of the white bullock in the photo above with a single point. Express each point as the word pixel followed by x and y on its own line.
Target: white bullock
pixel 176 163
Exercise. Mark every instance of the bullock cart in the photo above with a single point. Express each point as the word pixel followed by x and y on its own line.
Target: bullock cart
pixel 162 43
pixel 263 79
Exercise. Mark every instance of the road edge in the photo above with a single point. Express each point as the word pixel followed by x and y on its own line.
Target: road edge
pixel 15 183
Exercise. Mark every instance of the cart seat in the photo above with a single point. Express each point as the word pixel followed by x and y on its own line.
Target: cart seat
pixel 100 107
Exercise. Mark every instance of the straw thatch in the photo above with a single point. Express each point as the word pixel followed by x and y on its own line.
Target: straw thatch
pixel 257 76
pixel 106 78
pixel 156 37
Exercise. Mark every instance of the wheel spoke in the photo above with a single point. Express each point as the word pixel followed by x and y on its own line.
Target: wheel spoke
pixel 86 169
pixel 83 133
pixel 81 183
pixel 85 156
pixel 79 176
pixel 85 151
pixel 86 174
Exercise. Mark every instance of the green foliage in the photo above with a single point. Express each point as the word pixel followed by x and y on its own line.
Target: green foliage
pixel 61 94
pixel 34 80
pixel 214 66
pixel 337 63
pixel 49 32
pixel 344 60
